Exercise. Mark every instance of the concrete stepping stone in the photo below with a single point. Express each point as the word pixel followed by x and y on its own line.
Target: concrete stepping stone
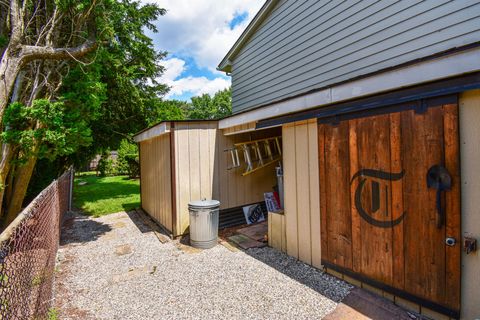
pixel 256 232
pixel 245 242
pixel 362 305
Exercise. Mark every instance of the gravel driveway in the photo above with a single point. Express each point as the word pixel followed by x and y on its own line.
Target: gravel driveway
pixel 115 267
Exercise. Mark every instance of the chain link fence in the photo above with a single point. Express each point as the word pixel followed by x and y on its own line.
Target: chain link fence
pixel 28 248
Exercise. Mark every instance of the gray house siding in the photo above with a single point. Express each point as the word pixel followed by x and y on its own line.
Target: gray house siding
pixel 309 44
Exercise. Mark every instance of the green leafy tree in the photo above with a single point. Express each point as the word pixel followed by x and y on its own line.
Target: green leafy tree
pixel 45 129
pixel 222 101
pixel 206 107
pixel 167 110
pixel 130 67
pixel 81 108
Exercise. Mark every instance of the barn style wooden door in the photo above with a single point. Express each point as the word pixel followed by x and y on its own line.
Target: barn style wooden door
pixel 379 218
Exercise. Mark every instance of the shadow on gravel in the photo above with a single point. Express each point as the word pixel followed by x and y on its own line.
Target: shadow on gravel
pixel 145 224
pixel 326 285
pixel 77 228
pixel 139 221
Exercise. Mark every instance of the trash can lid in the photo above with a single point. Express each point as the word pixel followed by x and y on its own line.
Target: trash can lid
pixel 204 204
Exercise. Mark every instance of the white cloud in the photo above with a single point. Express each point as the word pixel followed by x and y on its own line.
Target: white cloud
pixel 201 28
pixel 194 86
pixel 198 86
pixel 173 69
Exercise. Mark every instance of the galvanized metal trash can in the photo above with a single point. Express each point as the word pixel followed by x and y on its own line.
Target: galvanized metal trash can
pixel 204 216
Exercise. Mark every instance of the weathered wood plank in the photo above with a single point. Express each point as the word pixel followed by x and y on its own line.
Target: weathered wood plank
pixel 323 191
pixel 356 220
pixel 397 201
pixel 337 178
pixel 452 206
pixel 422 141
pixel 373 141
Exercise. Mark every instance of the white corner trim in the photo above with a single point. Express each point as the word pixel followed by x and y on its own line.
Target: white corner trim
pixel 431 70
pixel 155 131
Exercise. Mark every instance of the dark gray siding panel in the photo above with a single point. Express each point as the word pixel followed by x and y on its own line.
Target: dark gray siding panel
pixel 309 44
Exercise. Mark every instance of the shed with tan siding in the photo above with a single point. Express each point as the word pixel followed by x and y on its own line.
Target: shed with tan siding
pixel 182 161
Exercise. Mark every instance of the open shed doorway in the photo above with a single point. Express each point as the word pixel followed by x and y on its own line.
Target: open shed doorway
pixel 249 165
pixel 183 161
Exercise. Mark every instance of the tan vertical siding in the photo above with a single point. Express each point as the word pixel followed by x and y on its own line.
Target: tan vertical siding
pixel 290 189
pixel 276 231
pixel 156 179
pixel 470 191
pixel 195 145
pixel 302 198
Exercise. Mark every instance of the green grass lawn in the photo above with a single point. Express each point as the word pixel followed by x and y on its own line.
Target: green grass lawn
pixel 99 196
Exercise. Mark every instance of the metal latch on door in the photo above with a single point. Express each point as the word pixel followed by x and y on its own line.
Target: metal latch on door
pixel 439 178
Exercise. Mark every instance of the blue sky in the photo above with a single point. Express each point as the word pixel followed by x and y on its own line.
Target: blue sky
pixel 197 34
pixel 238 19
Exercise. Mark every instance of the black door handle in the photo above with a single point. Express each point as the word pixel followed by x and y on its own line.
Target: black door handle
pixel 439 178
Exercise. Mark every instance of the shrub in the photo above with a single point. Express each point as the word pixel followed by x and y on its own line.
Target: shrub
pixel 133 165
pixel 105 165
pixel 128 160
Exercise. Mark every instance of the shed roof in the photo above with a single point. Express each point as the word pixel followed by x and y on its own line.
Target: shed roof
pixel 160 128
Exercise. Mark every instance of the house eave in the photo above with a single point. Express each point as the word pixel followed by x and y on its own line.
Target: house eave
pixel 443 67
pixel 226 63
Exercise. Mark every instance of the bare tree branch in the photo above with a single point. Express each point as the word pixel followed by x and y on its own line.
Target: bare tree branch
pixel 30 53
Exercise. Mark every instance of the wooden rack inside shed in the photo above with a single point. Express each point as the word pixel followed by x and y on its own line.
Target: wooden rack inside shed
pixel 257 154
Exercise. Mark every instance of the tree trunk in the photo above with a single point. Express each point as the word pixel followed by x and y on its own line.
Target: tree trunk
pixel 20 185
pixel 5 165
pixel 3 29
pixel 7 149
pixel 9 69
pixel 7 194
